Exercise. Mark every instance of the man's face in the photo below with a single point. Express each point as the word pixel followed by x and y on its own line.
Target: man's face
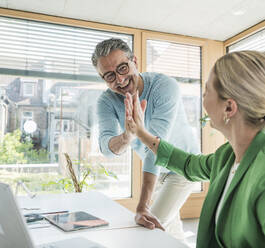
pixel 119 72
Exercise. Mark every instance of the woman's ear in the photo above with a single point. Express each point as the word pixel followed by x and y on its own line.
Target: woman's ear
pixel 230 108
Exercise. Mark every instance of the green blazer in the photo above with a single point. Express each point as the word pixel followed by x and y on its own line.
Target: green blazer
pixel 241 222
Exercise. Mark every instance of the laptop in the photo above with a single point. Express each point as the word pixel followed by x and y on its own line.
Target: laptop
pixel 14 232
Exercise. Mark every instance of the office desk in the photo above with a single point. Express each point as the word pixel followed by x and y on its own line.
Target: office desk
pixel 92 202
pixel 122 231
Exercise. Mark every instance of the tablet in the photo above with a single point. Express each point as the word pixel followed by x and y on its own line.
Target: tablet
pixel 75 221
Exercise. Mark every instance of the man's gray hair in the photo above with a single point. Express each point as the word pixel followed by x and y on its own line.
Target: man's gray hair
pixel 105 47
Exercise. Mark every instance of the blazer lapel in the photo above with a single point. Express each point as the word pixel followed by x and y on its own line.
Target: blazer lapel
pixel 207 218
pixel 251 153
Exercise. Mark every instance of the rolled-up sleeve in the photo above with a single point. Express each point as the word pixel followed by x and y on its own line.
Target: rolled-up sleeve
pixel 108 125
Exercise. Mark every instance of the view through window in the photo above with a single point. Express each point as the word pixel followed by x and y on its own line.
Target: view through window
pixel 48 95
pixel 182 62
pixel 255 41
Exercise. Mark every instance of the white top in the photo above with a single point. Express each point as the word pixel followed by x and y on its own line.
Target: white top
pixel 228 182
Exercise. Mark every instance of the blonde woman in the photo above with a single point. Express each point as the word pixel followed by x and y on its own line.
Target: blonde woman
pixel 233 213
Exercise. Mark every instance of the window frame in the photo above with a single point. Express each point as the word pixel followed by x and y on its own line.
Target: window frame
pixel 248 32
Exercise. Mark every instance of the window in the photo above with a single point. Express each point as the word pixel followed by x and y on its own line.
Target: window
pixel 28 89
pixel 182 62
pixel 26 116
pixel 46 50
pixel 47 77
pixel 255 41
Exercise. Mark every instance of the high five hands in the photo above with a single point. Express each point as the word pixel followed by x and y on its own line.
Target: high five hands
pixel 134 113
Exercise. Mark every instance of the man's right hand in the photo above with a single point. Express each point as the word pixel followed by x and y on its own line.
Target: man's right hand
pixel 127 135
pixel 147 219
pixel 120 143
pixel 134 113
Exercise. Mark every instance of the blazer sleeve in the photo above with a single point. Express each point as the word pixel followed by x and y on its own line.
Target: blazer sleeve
pixel 193 167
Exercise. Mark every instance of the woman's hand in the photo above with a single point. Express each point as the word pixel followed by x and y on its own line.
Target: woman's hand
pixel 134 113
pixel 134 121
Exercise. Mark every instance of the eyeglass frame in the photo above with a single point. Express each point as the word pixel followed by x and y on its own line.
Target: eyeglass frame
pixel 116 71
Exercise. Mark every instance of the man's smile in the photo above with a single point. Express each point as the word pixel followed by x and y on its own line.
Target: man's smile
pixel 125 86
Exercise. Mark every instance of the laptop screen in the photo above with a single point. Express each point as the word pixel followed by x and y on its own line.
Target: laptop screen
pixel 13 230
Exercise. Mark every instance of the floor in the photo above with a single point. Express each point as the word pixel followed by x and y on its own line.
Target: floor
pixel 190 227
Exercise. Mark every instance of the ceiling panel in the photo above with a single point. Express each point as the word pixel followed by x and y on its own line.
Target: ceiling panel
pixel 49 7
pixel 98 11
pixel 212 19
pixel 3 3
pixel 147 16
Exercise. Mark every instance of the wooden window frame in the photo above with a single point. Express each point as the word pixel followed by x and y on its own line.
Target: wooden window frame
pixel 254 29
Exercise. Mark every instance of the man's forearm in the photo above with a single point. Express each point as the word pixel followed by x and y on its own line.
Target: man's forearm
pixel 120 143
pixel 148 186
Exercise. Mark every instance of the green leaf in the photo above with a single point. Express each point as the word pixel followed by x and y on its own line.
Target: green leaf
pixel 204 120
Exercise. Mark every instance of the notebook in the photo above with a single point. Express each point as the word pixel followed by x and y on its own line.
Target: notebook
pixel 14 232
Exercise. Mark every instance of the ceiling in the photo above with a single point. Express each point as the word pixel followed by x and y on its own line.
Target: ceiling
pixel 212 19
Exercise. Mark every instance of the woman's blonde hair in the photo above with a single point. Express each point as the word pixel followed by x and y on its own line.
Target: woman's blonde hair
pixel 241 76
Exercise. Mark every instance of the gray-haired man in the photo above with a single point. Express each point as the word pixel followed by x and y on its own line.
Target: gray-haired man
pixel 164 117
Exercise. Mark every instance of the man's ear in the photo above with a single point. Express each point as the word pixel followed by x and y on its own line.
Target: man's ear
pixel 231 108
pixel 135 61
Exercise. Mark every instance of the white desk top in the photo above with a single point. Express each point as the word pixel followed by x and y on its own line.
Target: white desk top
pixel 92 202
pixel 135 237
pixel 122 231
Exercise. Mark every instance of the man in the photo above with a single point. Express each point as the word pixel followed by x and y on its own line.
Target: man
pixel 164 117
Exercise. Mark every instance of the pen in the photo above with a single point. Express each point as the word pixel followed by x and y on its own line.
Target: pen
pixel 54 212
pixel 45 213
pixel 30 208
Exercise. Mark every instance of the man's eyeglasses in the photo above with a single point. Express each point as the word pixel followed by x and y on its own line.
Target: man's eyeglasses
pixel 122 69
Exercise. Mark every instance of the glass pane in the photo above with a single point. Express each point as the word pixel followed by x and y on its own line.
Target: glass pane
pixel 27 114
pixel 33 48
pixel 253 42
pixel 28 89
pixel 183 62
pixel 37 131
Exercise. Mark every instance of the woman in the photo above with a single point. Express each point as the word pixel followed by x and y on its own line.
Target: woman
pixel 233 213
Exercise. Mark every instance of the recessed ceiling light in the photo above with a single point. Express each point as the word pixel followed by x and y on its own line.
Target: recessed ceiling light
pixel 239 12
